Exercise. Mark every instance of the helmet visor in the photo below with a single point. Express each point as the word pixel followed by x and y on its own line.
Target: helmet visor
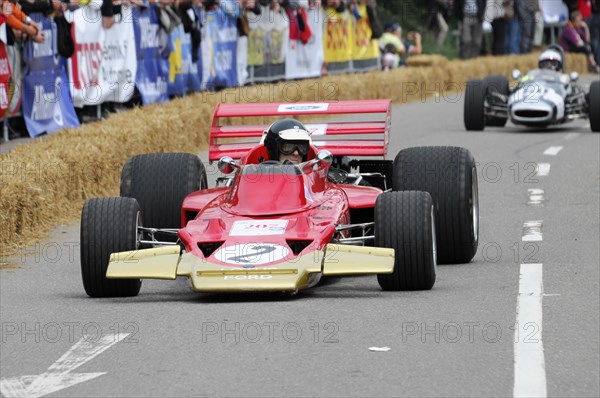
pixel 550 64
pixel 288 147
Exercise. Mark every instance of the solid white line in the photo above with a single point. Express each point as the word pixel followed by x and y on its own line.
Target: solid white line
pixel 532 231
pixel 553 150
pixel 543 169
pixel 536 197
pixel 530 366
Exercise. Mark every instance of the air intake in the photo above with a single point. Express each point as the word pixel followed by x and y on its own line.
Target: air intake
pixel 298 245
pixel 208 248
pixel 531 113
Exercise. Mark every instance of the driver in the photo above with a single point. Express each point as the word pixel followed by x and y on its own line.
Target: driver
pixel 550 59
pixel 287 139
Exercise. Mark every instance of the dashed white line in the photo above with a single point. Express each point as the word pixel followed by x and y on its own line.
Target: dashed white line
pixel 532 231
pixel 571 136
pixel 530 366
pixel 536 197
pixel 543 169
pixel 553 150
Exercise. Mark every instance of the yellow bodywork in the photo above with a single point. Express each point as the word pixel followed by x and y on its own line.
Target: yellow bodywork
pixel 300 273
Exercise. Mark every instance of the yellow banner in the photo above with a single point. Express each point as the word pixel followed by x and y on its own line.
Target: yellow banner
pixel 335 39
pixel 360 42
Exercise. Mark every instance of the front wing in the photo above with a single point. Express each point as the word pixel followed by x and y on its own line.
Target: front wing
pixel 299 273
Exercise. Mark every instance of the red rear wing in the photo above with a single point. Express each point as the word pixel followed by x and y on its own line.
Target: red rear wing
pixel 372 137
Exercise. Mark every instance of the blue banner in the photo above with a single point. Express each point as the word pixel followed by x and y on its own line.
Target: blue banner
pixel 219 49
pixel 47 103
pixel 151 78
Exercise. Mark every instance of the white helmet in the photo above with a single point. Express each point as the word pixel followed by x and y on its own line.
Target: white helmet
pixel 550 59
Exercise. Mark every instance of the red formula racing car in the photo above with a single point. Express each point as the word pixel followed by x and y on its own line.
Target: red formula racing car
pixel 280 226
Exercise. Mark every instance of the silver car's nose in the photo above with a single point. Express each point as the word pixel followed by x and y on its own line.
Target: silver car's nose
pixel 532 113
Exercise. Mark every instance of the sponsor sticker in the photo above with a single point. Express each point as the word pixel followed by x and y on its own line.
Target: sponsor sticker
pixel 316 129
pixel 303 107
pixel 258 227
pixel 252 253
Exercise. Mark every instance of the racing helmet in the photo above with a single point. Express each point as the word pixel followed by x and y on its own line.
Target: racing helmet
pixel 550 59
pixel 285 136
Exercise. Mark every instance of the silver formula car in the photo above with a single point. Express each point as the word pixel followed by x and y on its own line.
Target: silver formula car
pixel 541 98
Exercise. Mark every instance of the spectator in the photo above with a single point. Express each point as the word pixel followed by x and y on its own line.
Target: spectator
pixel 470 16
pixel 496 15
pixel 576 38
pixel 512 41
pixel 527 12
pixel 391 45
pixel 20 22
pixel 437 20
pixel 595 30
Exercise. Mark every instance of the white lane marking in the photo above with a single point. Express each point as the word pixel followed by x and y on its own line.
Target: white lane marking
pixel 58 375
pixel 379 349
pixel 532 231
pixel 530 366
pixel 536 197
pixel 571 136
pixel 553 150
pixel 543 169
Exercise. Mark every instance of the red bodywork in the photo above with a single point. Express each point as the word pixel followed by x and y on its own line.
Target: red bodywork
pixel 303 206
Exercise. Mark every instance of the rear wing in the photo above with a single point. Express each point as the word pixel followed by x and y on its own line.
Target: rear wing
pixel 343 138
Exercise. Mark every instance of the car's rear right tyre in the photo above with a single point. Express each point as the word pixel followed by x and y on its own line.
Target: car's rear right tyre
pixel 474 116
pixel 160 182
pixel 108 225
pixel 594 106
pixel 404 222
pixel 497 84
pixel 449 174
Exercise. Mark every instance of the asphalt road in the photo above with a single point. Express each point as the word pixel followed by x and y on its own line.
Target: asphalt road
pixel 459 339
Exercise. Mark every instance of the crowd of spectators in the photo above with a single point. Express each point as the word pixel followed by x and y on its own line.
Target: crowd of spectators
pixel 519 26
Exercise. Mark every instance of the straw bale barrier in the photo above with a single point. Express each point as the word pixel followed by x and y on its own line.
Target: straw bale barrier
pixel 46 181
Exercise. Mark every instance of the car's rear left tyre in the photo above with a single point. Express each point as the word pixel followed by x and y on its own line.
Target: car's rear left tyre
pixel 474 116
pixel 404 222
pixel 449 174
pixel 108 225
pixel 594 106
pixel 160 182
pixel 496 84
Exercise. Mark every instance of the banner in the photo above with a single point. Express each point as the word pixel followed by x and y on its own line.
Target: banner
pixel 104 65
pixel 177 81
pixel 268 36
pixel 337 31
pixel 219 49
pixel 4 80
pixel 305 60
pixel 47 103
pixel 151 78
pixel 359 39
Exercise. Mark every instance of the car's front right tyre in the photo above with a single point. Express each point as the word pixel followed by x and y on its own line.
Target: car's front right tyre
pixel 404 221
pixel 108 225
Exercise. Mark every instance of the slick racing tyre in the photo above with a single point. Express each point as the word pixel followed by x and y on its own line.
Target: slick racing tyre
pixel 498 84
pixel 594 106
pixel 404 221
pixel 160 182
pixel 474 116
pixel 108 225
pixel 449 175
